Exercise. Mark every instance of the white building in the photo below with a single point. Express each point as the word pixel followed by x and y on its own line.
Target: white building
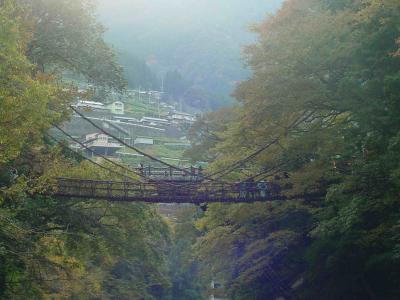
pixel 101 144
pixel 90 104
pixel 116 108
pixel 126 119
pixel 154 121
pixel 144 141
pixel 181 117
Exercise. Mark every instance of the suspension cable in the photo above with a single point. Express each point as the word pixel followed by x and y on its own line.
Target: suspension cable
pixel 230 168
pixel 236 164
pixel 102 156
pixel 190 185
pixel 88 159
pixel 127 145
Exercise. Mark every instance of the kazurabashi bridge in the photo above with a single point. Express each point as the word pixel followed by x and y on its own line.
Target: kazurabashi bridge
pixel 169 184
pixel 165 192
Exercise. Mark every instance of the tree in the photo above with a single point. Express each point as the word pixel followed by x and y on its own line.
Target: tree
pixel 52 248
pixel 325 82
pixel 183 267
pixel 174 84
pixel 66 36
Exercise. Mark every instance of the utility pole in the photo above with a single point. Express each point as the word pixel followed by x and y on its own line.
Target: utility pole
pixel 153 114
pixel 161 95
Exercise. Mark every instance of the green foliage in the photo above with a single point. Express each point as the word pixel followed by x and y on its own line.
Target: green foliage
pixel 66 36
pixel 138 74
pixel 183 267
pixel 256 240
pixel 53 248
pixel 204 134
pixel 332 69
pixel 25 102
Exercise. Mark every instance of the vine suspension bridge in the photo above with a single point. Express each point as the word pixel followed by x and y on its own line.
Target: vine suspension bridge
pixel 167 188
pixel 169 184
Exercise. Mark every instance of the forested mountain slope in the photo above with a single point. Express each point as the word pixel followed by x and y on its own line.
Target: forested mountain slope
pixel 62 248
pixel 200 39
pixel 322 102
pixel 325 94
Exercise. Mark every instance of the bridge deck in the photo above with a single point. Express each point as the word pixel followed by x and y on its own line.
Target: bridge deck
pixel 160 192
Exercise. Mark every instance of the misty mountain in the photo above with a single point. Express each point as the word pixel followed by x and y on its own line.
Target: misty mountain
pixel 137 73
pixel 202 39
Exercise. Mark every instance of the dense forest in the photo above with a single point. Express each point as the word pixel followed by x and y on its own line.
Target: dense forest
pixel 325 94
pixel 53 249
pixel 318 116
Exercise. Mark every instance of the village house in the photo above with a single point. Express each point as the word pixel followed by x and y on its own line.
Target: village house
pixel 116 108
pixel 101 144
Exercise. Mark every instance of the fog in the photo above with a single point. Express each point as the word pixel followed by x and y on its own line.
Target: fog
pixel 202 39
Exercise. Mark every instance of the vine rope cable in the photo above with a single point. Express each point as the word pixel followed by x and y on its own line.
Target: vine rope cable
pixel 102 156
pixel 126 144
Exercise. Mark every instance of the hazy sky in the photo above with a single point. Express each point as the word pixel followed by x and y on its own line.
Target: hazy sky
pixel 145 14
pixel 200 38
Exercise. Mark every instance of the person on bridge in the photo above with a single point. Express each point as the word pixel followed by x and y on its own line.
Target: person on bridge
pixel 262 188
pixel 242 189
pixel 247 188
pixel 199 173
pixel 140 167
pixel 192 170
pixel 251 188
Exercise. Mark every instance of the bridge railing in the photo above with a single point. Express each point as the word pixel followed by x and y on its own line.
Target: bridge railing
pixel 102 189
pixel 187 174
pixel 185 192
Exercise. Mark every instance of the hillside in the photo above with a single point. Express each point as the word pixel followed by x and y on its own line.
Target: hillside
pixel 200 39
